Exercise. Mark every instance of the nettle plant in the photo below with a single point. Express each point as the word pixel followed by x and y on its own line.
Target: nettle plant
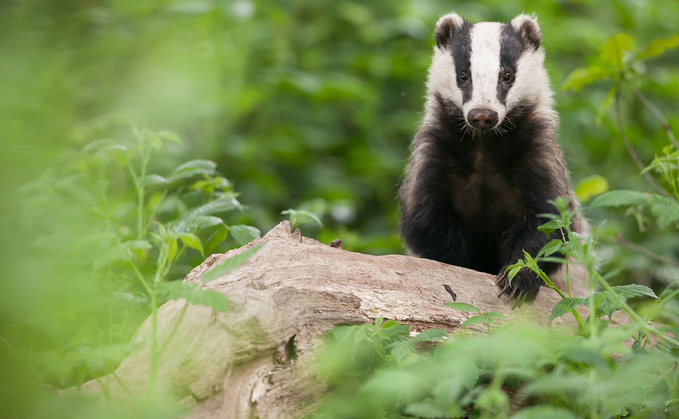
pixel 599 370
pixel 173 214
pixel 138 236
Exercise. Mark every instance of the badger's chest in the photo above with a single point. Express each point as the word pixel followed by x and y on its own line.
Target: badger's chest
pixel 486 198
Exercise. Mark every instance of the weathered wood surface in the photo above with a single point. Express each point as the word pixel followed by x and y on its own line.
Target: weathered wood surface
pixel 251 361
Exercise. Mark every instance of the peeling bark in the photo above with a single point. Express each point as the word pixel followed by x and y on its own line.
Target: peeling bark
pixel 253 360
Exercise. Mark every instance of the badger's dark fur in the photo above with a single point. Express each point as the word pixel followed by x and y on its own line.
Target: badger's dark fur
pixel 485 161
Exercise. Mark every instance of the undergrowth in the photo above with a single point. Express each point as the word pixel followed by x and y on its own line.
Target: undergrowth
pixel 124 237
pixel 600 369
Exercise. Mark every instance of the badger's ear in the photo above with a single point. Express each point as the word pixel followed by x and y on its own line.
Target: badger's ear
pixel 446 27
pixel 528 28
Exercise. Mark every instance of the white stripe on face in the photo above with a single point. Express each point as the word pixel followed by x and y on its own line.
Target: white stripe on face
pixel 485 68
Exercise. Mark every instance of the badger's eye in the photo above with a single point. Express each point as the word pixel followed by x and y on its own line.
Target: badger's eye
pixel 463 77
pixel 507 77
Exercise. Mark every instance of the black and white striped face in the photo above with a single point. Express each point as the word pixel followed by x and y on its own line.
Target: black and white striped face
pixel 489 68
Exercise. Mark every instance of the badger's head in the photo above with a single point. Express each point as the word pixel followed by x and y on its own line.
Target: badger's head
pixel 488 69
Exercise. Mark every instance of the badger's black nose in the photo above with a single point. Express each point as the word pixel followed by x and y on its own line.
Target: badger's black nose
pixel 481 118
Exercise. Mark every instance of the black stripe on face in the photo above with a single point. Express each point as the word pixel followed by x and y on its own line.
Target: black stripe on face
pixel 461 49
pixel 511 48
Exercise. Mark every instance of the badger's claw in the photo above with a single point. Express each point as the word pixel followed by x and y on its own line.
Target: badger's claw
pixel 505 289
pixel 524 287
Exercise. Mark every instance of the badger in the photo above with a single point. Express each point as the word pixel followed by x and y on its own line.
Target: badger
pixel 485 162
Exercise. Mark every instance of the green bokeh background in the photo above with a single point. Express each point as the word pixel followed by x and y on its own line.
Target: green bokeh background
pixel 302 104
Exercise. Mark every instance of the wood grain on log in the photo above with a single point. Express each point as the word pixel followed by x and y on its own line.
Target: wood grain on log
pixel 254 360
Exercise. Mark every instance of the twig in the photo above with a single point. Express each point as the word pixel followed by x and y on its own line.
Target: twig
pixel 658 114
pixel 642 250
pixel 632 152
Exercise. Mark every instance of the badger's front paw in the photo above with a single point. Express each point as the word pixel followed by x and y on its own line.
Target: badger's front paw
pixel 524 287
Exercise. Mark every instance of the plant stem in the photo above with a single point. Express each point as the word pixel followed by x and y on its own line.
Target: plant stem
pixel 154 346
pixel 551 285
pixel 140 195
pixel 174 329
pixel 120 382
pixel 141 278
pixel 140 211
pixel 633 315
pixel 642 250
pixel 630 150
pixel 658 114
pixel 155 351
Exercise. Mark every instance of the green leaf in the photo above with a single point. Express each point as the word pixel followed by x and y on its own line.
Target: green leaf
pixel 540 412
pixel 194 168
pixel 191 292
pixel 634 290
pixel 100 356
pixel 154 180
pixel 425 410
pixel 169 136
pixel 431 335
pixel 113 254
pixel 476 320
pixel 550 226
pixel 137 245
pixel 467 308
pixel 582 77
pixel 97 145
pixel 495 316
pixel 605 303
pixel 196 223
pixel 614 49
pixel 528 259
pixel 121 153
pixel 196 164
pixel 659 46
pixel 590 187
pixel 401 349
pixel 215 207
pixel 299 218
pixel 156 141
pixel 216 238
pixel 388 324
pixel 192 241
pixel 550 248
pixel 666 210
pixel 244 234
pixel 565 306
pixel 621 198
pixel 229 264
pixel 662 164
pixel 556 383
pixel 172 247
pixel 554 259
pixel 514 270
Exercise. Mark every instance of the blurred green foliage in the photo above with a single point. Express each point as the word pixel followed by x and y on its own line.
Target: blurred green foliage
pixel 304 105
pixel 520 371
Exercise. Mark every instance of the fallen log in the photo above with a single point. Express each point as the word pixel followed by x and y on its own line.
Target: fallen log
pixel 255 359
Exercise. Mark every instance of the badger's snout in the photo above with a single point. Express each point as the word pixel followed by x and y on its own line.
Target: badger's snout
pixel 482 118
